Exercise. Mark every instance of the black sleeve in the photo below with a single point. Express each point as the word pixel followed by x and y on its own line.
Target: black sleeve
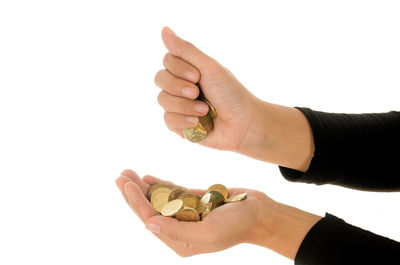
pixel 360 151
pixel 331 241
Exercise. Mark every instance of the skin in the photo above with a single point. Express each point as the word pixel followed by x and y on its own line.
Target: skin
pixel 246 125
pixel 257 220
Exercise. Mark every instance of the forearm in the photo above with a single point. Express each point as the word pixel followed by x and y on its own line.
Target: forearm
pixel 279 135
pixel 284 231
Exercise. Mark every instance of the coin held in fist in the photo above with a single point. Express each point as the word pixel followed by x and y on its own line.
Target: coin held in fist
pixel 205 125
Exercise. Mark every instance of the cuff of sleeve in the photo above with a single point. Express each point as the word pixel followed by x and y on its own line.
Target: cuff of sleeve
pixel 333 241
pixel 317 240
pixel 321 170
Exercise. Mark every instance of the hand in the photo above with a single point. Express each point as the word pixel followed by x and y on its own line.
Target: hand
pixel 258 220
pixel 185 65
pixel 244 123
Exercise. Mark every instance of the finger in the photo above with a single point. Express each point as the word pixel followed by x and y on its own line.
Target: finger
pixel 179 121
pixel 121 181
pixel 152 180
pixel 175 86
pixel 149 179
pixel 189 232
pixel 136 179
pixel 180 105
pixel 180 68
pixel 185 50
pixel 138 202
pixel 179 132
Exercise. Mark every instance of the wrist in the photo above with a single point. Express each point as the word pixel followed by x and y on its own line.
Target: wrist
pixel 285 230
pixel 280 135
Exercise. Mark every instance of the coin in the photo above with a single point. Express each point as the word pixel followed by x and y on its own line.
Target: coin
pixel 206 122
pixel 188 214
pixel 236 198
pixel 152 188
pixel 159 199
pixel 195 134
pixel 189 200
pixel 207 210
pixel 175 193
pixel 220 188
pixel 217 199
pixel 201 206
pixel 176 201
pixel 172 207
pixel 212 111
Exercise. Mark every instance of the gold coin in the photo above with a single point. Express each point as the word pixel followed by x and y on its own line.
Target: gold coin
pixel 195 134
pixel 212 111
pixel 236 198
pixel 175 194
pixel 159 200
pixel 160 189
pixel 217 199
pixel 152 188
pixel 189 200
pixel 207 210
pixel 201 206
pixel 172 207
pixel 220 188
pixel 206 122
pixel 155 186
pixel 188 214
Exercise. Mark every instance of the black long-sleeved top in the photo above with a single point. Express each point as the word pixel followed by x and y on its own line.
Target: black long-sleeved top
pixel 359 151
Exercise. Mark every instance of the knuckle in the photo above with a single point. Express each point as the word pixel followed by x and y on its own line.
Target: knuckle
pixel 189 45
pixel 166 117
pixel 157 77
pixel 166 59
pixel 160 98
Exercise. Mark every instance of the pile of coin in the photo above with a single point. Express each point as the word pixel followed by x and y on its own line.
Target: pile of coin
pixel 178 202
pixel 205 125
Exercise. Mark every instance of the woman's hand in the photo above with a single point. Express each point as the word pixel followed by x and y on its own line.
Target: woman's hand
pixel 185 65
pixel 257 219
pixel 244 123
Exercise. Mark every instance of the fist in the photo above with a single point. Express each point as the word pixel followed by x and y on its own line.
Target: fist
pixel 185 65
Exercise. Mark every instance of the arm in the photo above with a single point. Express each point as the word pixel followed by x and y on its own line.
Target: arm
pixel 353 150
pixel 291 232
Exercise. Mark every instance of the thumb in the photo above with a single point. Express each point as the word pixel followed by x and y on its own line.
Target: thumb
pixel 185 50
pixel 189 232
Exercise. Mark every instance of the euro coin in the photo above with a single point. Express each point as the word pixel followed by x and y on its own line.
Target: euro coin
pixel 159 200
pixel 152 189
pixel 220 188
pixel 188 214
pixel 206 122
pixel 189 200
pixel 217 199
pixel 236 198
pixel 201 206
pixel 175 193
pixel 212 111
pixel 195 135
pixel 172 207
pixel 207 210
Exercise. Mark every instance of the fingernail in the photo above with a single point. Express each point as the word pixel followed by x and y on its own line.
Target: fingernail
pixel 189 92
pixel 190 75
pixel 169 31
pixel 201 107
pixel 192 120
pixel 153 228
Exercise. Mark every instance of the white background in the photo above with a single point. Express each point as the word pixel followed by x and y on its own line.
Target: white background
pixel 78 105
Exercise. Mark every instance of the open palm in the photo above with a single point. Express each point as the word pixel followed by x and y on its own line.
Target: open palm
pixel 225 226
